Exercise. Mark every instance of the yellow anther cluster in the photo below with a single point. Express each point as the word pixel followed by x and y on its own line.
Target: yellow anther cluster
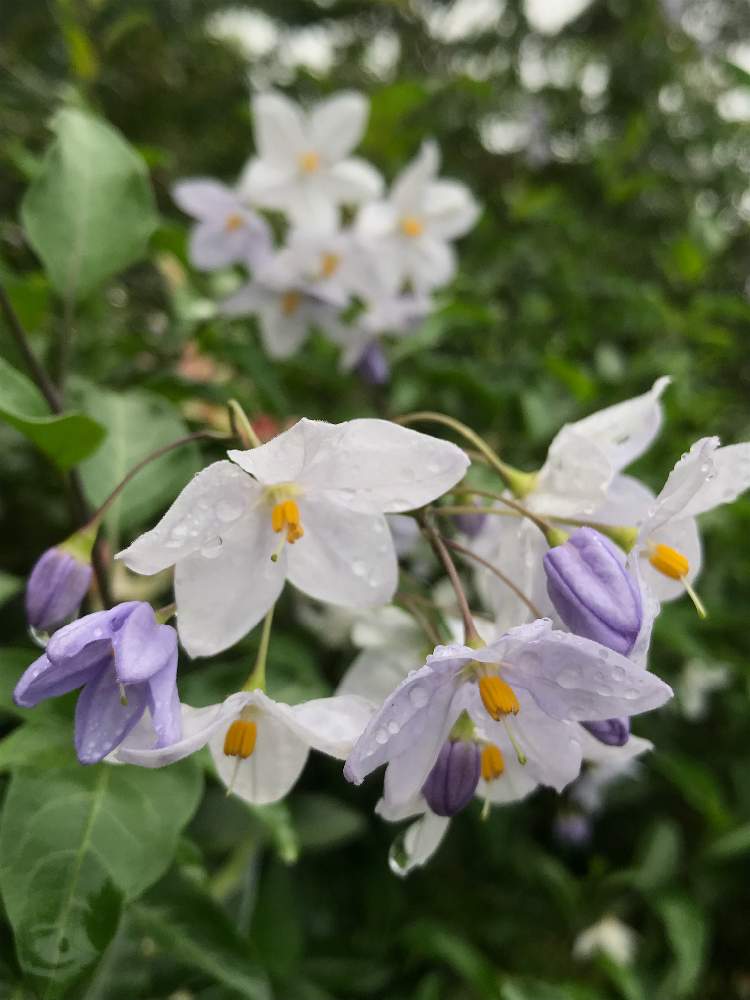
pixel 498 697
pixel 412 226
pixel 234 221
pixel 493 763
pixel 669 561
pixel 309 162
pixel 286 515
pixel 329 264
pixel 240 739
pixel 290 303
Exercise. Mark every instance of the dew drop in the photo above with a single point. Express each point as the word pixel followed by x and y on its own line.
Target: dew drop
pixel 212 549
pixel 359 568
pixel 227 511
pixel 394 728
pixel 418 697
pixel 381 736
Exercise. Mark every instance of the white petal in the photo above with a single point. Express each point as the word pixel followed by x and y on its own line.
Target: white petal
pixel 332 725
pixel 628 502
pixel 204 198
pixel 624 431
pixel 450 209
pixel 431 262
pixel 685 481
pixel 414 846
pixel 410 186
pixel 198 725
pixel 379 465
pixel 574 479
pixel 282 335
pixel 246 301
pixel 345 557
pixel 274 765
pixel 265 182
pixel 596 752
pixel 353 181
pixel 212 501
pixel 731 478
pixel 280 132
pixel 684 536
pixel 283 458
pixel 337 124
pixel 376 220
pixel 224 591
pixel 375 673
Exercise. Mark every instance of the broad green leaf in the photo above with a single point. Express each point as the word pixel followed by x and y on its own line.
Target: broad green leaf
pixel 90 211
pixel 75 841
pixel 322 821
pixel 730 844
pixel 186 923
pixel 66 439
pixel 46 740
pixel 686 930
pixel 138 423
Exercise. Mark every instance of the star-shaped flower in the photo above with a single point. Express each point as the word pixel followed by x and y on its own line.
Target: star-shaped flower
pixel 310 505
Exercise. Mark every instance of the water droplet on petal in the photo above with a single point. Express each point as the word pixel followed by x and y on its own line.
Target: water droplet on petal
pixel 381 736
pixel 418 697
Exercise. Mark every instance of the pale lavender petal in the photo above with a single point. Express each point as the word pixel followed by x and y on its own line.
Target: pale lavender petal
pixel 204 198
pixel 102 720
pixel 164 703
pixel 56 586
pixel 44 679
pixel 71 642
pixel 142 646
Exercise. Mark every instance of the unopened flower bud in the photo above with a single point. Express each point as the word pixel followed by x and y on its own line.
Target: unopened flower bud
pixel 470 524
pixel 373 367
pixel 451 783
pixel 55 588
pixel 611 732
pixel 593 592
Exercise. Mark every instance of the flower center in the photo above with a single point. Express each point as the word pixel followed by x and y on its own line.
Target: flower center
pixel 234 221
pixel 498 697
pixel 240 739
pixel 330 264
pixel 493 764
pixel 285 515
pixel 412 226
pixel 309 162
pixel 290 303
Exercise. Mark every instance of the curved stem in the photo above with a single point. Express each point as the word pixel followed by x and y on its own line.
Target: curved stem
pixel 543 523
pixel 456 547
pixel 257 677
pixel 241 426
pixel 471 636
pixel 419 617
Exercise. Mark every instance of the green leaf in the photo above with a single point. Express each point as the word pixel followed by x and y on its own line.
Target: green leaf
pixel 90 211
pixel 138 423
pixel 75 842
pixel 729 845
pixel 13 661
pixel 186 923
pixel 322 821
pixel 686 930
pixel 9 586
pixel 66 439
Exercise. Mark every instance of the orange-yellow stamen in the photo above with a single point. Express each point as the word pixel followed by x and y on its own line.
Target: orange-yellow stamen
pixel 669 561
pixel 240 739
pixel 329 264
pixel 234 221
pixel 309 162
pixel 290 303
pixel 498 697
pixel 493 764
pixel 286 515
pixel 412 226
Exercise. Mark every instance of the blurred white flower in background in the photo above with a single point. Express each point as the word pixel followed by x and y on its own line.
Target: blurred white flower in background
pixel 610 937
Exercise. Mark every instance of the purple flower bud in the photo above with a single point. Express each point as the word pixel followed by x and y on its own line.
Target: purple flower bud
pixel 572 829
pixel 611 732
pixel 373 367
pixel 470 524
pixel 55 589
pixel 451 784
pixel 592 590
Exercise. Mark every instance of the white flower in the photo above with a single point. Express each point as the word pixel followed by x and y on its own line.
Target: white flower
pixel 668 544
pixel 610 937
pixel 574 481
pixel 393 315
pixel 303 165
pixel 330 265
pixel 309 505
pixel 697 682
pixel 606 765
pixel 259 745
pixel 228 232
pixel 545 679
pixel 411 230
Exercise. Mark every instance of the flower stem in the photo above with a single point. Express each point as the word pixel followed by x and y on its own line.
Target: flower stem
pixel 419 617
pixel 471 636
pixel 542 522
pixel 467 553
pixel 241 426
pixel 257 676
pixel 520 483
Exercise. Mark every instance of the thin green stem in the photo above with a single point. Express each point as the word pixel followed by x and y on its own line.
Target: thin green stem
pixel 471 636
pixel 467 553
pixel 257 677
pixel 241 426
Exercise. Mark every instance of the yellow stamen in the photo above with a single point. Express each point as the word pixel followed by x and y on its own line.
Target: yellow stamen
pixel 234 221
pixel 412 226
pixel 309 162
pixel 669 561
pixel 498 697
pixel 285 514
pixel 493 764
pixel 290 303
pixel 330 264
pixel 240 739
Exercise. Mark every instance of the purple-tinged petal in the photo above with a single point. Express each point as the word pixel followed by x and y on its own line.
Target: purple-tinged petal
pixel 142 646
pixel 164 703
pixel 611 732
pixel 204 198
pixel 56 586
pixel 72 641
pixel 44 679
pixel 102 720
pixel 373 367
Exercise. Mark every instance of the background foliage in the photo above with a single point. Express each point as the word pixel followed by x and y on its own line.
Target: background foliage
pixel 611 158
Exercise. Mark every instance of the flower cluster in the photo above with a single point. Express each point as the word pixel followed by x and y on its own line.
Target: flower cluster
pixel 354 280
pixel 571 563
